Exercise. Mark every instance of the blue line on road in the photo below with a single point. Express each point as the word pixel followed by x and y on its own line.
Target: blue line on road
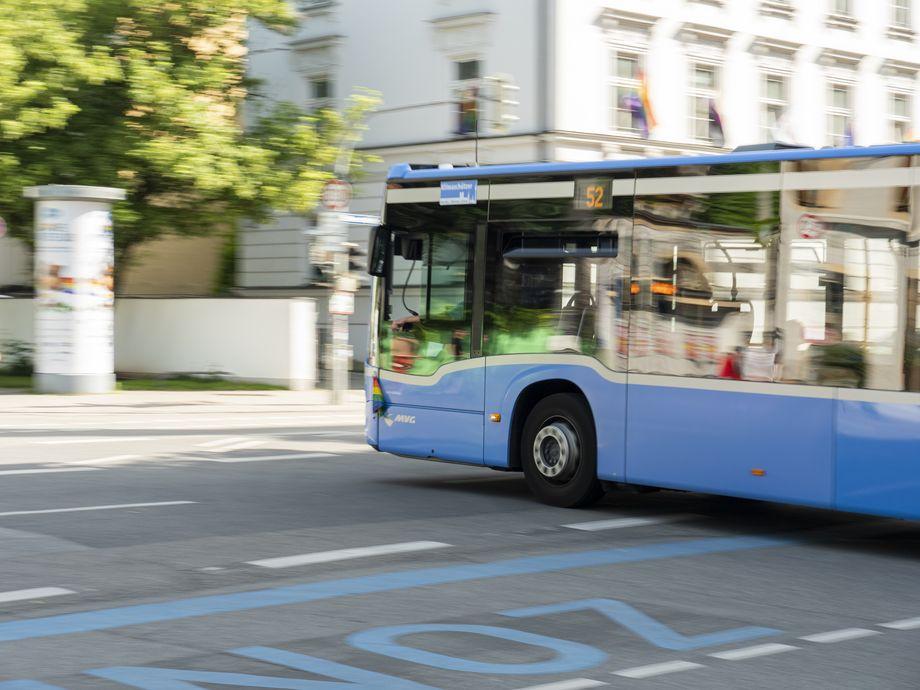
pixel 108 619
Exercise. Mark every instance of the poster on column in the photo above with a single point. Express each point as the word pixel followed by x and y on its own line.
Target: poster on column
pixel 74 282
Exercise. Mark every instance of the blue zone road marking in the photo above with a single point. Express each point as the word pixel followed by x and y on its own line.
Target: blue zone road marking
pixel 108 619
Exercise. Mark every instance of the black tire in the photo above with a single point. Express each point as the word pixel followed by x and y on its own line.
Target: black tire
pixel 562 469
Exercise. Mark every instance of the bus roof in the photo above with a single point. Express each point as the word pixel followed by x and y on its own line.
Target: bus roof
pixel 405 172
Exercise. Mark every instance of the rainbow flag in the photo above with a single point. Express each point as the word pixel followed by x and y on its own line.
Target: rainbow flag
pixel 378 402
pixel 650 121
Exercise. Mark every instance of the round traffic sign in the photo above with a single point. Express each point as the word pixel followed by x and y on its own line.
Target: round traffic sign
pixel 336 195
pixel 811 227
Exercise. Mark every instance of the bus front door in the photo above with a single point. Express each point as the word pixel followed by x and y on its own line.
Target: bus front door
pixel 431 380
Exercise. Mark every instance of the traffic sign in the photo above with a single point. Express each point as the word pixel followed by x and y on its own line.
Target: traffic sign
pixel 811 227
pixel 336 195
pixel 342 303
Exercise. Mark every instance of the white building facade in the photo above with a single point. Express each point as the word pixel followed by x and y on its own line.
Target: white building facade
pixel 809 72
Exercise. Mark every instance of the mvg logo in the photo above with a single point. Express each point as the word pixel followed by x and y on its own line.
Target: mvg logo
pixel 399 419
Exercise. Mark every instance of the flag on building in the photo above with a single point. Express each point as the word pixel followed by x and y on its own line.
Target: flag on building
pixel 848 138
pixel 468 111
pixel 716 130
pixel 645 97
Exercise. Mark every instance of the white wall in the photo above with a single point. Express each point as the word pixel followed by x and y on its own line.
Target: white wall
pixel 265 340
pixel 14 262
pixel 16 320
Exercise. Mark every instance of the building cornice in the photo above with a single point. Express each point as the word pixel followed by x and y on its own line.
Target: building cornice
pixel 702 33
pixel 619 20
pixel 829 57
pixel 463 21
pixel 317 42
pixel 765 46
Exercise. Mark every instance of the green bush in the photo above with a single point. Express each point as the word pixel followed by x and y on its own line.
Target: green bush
pixel 16 358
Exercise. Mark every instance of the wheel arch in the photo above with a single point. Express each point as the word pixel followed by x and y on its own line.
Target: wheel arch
pixel 525 402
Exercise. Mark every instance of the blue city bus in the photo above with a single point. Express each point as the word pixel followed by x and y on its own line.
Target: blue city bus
pixel 745 324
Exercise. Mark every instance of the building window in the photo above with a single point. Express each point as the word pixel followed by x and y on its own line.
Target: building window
pixel 320 88
pixel 839 115
pixel 704 80
pixel 900 14
pixel 843 8
pixel 773 104
pixel 900 120
pixel 467 75
pixel 467 70
pixel 625 87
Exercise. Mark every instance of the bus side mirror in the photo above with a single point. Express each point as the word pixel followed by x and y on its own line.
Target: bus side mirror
pixel 378 251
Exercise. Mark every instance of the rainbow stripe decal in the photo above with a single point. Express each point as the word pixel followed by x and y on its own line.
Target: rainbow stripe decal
pixel 378 402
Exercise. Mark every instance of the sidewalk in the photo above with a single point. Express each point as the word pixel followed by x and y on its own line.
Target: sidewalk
pixel 260 401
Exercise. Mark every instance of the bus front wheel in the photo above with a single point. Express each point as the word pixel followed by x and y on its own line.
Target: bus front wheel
pixel 559 452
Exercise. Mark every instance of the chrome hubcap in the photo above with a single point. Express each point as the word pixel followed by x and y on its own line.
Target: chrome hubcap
pixel 555 450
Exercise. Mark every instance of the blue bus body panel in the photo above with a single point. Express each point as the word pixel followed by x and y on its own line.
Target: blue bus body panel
pixel 438 416
pixel 427 432
pixel 505 380
pixel 878 458
pixel 712 441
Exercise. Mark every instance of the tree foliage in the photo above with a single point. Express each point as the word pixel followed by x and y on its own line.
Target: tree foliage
pixel 147 95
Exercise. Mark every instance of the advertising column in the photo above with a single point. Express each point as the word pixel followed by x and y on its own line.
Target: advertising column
pixel 74 288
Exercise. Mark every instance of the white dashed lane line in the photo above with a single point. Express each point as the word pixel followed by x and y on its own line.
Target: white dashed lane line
pixel 840 635
pixel 35 593
pixel 82 509
pixel 640 672
pixel 261 458
pixel 105 439
pixel 347 554
pixel 220 442
pixel 743 653
pixel 755 651
pixel 574 684
pixel 905 624
pixel 48 470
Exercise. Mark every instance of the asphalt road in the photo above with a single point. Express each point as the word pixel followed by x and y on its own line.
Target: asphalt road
pixel 184 541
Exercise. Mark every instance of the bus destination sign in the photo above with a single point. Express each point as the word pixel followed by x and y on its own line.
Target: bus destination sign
pixel 593 194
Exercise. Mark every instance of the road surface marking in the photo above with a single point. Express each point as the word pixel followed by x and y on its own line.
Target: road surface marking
pixel 750 652
pixel 905 624
pixel 238 446
pixel 219 442
pixel 639 672
pixel 49 470
pixel 36 593
pixel 256 458
pixel 87 508
pixel 840 635
pixel 574 684
pixel 615 523
pixel 391 581
pixel 348 554
pixel 109 460
pixel 123 439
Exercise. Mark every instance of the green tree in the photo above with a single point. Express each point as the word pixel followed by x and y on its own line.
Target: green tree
pixel 148 95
